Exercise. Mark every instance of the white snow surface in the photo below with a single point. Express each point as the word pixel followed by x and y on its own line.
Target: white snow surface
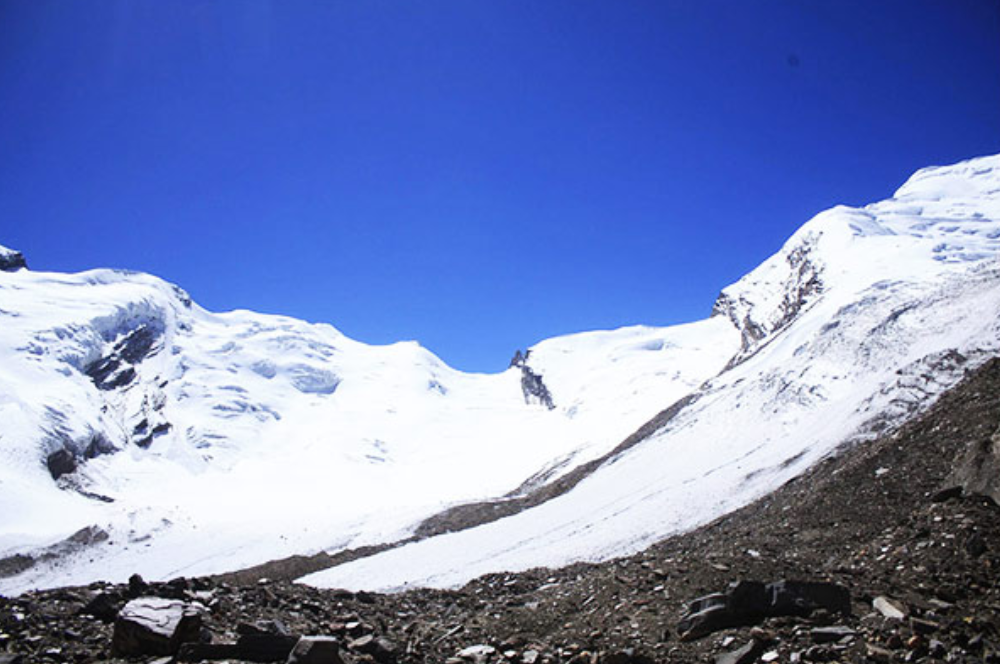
pixel 906 297
pixel 244 437
pixel 284 437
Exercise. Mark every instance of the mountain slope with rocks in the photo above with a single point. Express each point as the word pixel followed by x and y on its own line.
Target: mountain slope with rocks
pixel 853 327
pixel 916 554
pixel 141 429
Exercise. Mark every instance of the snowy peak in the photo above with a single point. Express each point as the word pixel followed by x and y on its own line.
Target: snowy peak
pixel 958 183
pixel 940 215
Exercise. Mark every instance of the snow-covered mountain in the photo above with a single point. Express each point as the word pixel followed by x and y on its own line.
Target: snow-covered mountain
pixel 143 433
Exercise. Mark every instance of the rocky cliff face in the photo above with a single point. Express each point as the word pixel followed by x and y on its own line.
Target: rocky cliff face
pixel 532 385
pixel 798 273
pixel 11 260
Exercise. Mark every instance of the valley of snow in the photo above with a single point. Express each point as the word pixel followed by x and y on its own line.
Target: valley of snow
pixel 208 442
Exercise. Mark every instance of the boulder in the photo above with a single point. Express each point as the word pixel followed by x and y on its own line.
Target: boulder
pixel 749 602
pixel 978 469
pixel 155 626
pixel 104 606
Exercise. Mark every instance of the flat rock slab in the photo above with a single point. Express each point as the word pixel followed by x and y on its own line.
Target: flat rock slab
pixel 155 626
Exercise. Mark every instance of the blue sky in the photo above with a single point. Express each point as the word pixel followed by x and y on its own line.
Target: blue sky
pixel 475 175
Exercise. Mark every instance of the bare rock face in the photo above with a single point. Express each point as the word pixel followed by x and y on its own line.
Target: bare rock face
pixel 61 462
pixel 11 261
pixel 155 626
pixel 532 385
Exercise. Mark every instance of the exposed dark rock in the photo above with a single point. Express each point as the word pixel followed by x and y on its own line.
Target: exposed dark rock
pixel 749 602
pixel 104 606
pixel 532 385
pixel 61 462
pixel 155 626
pixel 15 564
pixel 117 368
pixel 137 586
pixel 830 634
pixel 534 388
pixel 265 647
pixel 11 261
pixel 98 445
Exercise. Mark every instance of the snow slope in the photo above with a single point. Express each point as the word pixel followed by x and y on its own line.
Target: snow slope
pixel 190 442
pixel 208 442
pixel 859 321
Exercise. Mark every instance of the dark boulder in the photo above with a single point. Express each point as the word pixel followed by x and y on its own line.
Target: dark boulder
pixel 61 462
pixel 11 261
pixel 104 606
pixel 137 586
pixel 749 602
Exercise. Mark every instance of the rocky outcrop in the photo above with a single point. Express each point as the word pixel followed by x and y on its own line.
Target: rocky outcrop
pixel 799 282
pixel 11 261
pixel 117 368
pixel 532 385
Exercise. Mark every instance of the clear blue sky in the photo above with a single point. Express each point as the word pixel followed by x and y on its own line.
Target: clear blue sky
pixel 476 175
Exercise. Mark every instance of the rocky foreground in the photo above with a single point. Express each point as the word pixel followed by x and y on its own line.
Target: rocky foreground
pixel 891 551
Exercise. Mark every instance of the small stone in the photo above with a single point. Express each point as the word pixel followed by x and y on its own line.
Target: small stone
pixel 529 657
pixel 878 654
pixel 922 626
pixel 479 654
pixel 769 656
pixel 890 608
pixel 362 644
pixel 831 634
pixel 316 650
pixel 745 655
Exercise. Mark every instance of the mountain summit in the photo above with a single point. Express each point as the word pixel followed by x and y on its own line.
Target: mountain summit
pixel 143 433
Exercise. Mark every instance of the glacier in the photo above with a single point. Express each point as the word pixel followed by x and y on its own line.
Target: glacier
pixel 185 442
